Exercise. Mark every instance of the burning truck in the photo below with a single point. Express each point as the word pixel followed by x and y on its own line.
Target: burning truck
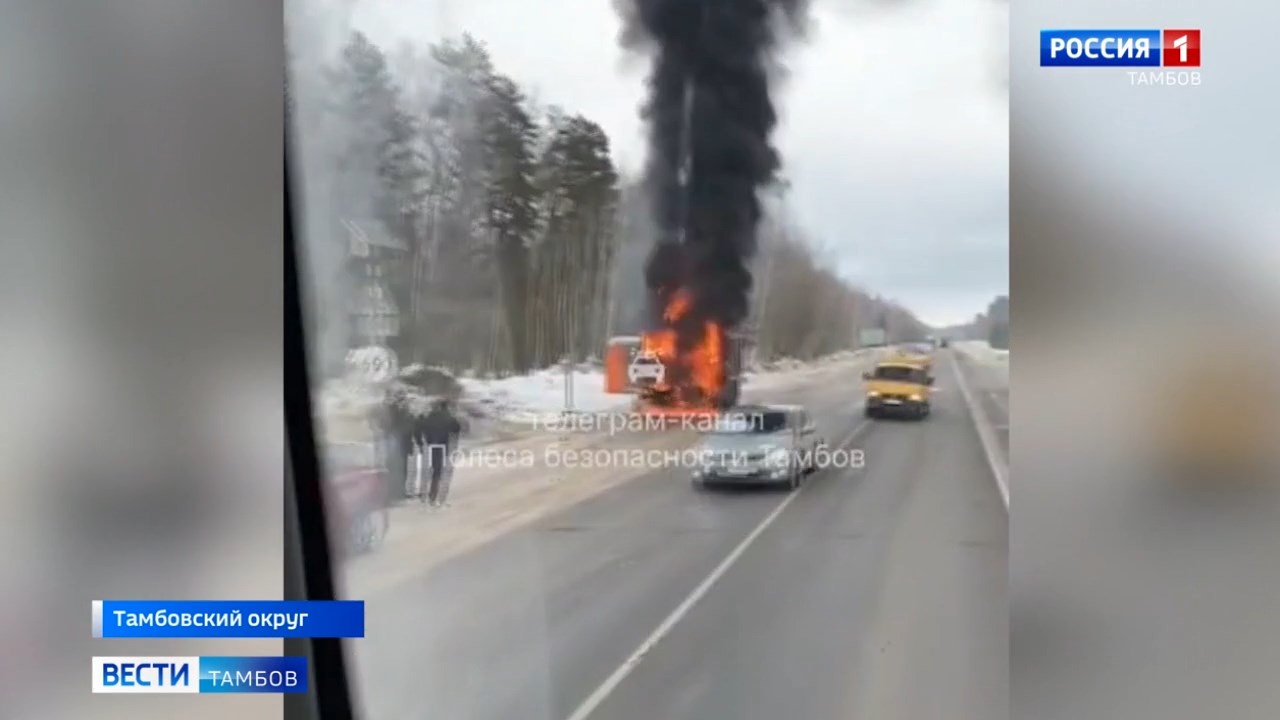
pixel 681 365
pixel 701 360
pixel 710 120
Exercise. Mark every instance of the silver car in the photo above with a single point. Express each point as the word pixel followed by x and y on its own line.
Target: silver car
pixel 759 445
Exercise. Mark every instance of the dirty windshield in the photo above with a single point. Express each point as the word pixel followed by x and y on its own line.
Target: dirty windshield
pixel 508 236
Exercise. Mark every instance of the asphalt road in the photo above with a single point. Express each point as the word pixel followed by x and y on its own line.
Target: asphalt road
pixel 990 386
pixel 877 592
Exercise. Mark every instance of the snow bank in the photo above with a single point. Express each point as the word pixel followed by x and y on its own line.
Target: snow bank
pixel 344 397
pixel 980 351
pixel 345 406
pixel 789 370
pixel 525 399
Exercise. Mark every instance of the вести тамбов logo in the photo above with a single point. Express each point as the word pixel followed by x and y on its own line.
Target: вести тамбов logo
pixel 1168 57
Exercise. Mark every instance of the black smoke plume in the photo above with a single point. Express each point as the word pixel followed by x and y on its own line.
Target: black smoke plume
pixel 710 118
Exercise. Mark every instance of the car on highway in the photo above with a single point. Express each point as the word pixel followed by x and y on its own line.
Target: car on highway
pixel 917 354
pixel 898 386
pixel 759 445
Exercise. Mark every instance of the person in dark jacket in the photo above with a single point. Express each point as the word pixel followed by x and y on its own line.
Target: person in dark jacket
pixel 398 436
pixel 437 435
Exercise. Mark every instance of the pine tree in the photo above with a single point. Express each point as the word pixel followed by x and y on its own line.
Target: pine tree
pixel 510 202
pixel 458 297
pixel 579 195
pixel 383 161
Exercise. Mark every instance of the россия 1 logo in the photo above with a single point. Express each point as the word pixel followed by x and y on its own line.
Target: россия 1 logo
pixel 1127 48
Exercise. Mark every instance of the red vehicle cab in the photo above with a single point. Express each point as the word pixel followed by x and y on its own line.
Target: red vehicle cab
pixel 356 481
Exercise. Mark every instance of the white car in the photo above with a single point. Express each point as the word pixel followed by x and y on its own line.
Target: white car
pixel 646 369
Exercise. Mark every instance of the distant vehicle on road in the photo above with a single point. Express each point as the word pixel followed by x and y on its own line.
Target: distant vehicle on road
pixel 872 337
pixel 915 354
pixel 898 386
pixel 760 445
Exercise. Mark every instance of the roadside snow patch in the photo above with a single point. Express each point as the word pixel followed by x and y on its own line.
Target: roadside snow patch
pixel 980 351
pixel 525 398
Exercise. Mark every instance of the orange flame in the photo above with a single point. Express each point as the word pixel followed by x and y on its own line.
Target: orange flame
pixel 695 377
pixel 677 306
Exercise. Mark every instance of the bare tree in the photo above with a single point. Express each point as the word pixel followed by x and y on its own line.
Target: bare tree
pixel 805 309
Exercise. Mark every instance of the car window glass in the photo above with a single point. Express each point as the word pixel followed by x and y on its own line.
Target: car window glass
pixel 894 372
pixel 769 422
pixel 482 226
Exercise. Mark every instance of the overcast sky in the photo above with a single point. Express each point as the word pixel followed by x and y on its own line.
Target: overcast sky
pixel 894 134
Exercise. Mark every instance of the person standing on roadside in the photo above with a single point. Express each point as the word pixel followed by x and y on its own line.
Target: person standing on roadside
pixel 397 426
pixel 437 434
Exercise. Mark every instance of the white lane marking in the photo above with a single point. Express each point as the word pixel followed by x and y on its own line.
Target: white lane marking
pixel 985 434
pixel 595 699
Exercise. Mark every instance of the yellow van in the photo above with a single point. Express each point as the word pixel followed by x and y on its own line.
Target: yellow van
pixel 898 386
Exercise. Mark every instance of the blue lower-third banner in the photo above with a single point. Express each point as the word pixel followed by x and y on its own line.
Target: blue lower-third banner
pixel 206 674
pixel 228 618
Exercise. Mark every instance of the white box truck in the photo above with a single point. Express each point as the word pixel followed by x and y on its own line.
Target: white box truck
pixel 872 337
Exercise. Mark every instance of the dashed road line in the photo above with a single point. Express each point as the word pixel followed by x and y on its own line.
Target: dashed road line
pixel 601 693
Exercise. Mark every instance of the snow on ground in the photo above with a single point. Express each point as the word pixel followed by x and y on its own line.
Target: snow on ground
pixel 538 397
pixel 783 372
pixel 980 351
pixel 526 398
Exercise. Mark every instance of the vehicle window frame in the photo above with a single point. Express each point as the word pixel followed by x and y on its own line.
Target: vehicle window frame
pixel 309 563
